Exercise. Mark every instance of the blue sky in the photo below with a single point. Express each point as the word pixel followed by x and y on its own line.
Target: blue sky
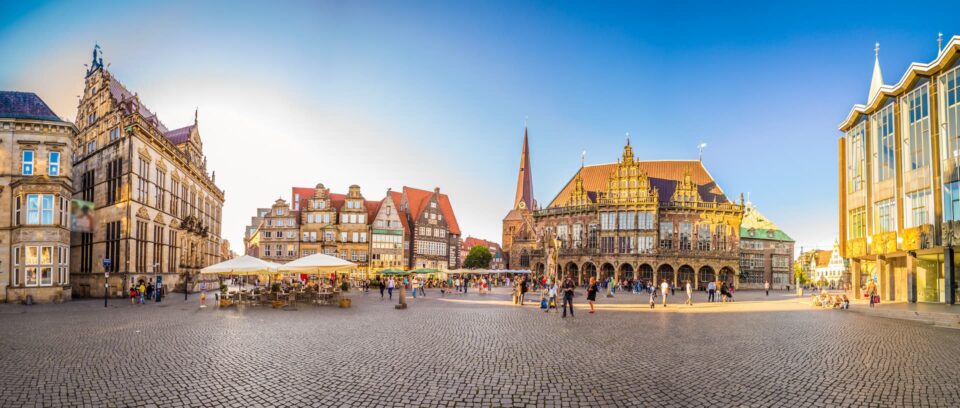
pixel 434 94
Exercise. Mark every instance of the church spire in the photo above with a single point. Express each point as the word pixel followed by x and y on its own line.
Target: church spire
pixel 524 196
pixel 877 80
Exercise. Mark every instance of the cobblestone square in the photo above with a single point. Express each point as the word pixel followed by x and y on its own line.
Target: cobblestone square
pixel 472 350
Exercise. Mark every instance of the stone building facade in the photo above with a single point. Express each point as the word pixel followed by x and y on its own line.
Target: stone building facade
pixel 35 194
pixel 899 176
pixel 158 211
pixel 373 234
pixel 649 220
pixel 766 252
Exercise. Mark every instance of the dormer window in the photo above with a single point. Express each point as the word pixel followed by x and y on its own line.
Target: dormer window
pixel 279 211
pixel 433 204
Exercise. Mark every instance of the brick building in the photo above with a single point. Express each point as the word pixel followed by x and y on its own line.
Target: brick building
pixel 766 252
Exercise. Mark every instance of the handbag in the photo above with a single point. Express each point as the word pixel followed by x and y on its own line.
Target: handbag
pixel 543 303
pixel 876 300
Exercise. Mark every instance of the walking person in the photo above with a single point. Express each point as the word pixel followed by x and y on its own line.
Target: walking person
pixel 523 290
pixel 724 292
pixel 382 287
pixel 413 285
pixel 568 287
pixel 689 294
pixel 203 294
pixel 552 297
pixel 766 287
pixel 142 291
pixel 390 285
pixel 872 293
pixel 423 283
pixel 664 287
pixel 592 290
pixel 712 292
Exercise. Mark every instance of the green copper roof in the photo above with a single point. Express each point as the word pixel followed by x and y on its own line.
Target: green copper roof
pixel 760 226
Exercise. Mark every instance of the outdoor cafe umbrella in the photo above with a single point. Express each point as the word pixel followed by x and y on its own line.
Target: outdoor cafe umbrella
pixel 394 272
pixel 425 271
pixel 241 265
pixel 317 264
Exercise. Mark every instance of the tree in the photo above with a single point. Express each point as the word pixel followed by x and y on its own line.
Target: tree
pixel 799 273
pixel 478 257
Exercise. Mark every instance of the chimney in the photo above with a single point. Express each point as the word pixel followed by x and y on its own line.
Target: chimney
pixel 436 190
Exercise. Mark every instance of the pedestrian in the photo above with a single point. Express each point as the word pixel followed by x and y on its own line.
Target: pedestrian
pixel 664 287
pixel 423 283
pixel 466 282
pixel 872 293
pixel 523 290
pixel 382 287
pixel 724 292
pixel 712 291
pixel 552 296
pixel 390 285
pixel 592 289
pixel 766 287
pixel 203 294
pixel 133 295
pixel 689 294
pixel 413 285
pixel 142 291
pixel 149 290
pixel 653 296
pixel 568 287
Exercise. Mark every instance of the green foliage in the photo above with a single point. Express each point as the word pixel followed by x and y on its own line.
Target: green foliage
pixel 275 287
pixel 478 257
pixel 798 273
pixel 345 286
pixel 223 288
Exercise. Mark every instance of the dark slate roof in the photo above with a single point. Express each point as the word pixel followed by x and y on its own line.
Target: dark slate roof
pixel 181 135
pixel 120 94
pixel 25 105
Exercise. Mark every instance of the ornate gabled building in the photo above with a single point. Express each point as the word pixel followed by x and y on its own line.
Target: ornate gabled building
pixel 650 220
pixel 157 209
pixel 899 177
pixel 35 193
pixel 433 232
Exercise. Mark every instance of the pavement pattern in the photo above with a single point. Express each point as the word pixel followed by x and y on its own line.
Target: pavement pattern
pixel 473 351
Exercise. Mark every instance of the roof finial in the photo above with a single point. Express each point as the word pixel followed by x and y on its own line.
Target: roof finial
pixel 525 122
pixel 628 138
pixel 196 113
pixel 876 50
pixel 583 158
pixel 939 42
pixel 701 146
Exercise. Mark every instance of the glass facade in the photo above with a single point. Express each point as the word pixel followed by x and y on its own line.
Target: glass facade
pixel 930 278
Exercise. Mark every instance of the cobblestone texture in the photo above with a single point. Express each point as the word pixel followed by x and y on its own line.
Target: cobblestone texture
pixel 474 351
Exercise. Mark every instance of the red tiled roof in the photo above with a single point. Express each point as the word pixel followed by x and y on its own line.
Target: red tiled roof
pixel 418 198
pixel 397 197
pixel 663 175
pixel 336 201
pixel 372 208
pixel 471 242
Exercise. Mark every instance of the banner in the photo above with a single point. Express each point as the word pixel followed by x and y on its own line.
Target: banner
pixel 81 216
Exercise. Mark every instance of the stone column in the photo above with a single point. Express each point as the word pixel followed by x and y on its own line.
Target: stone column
pixel 890 281
pixel 855 277
pixel 911 279
pixel 949 272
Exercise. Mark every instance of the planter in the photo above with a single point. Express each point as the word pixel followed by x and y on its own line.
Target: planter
pixel 225 303
pixel 277 304
pixel 345 303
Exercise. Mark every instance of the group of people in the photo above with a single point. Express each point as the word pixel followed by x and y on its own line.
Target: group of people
pixel 418 285
pixel 142 291
pixel 828 301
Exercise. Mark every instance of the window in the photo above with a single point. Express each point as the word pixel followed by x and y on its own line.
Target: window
pixel 161 181
pixel 856 158
pixel 114 134
pixel 39 209
pixel 356 237
pixel 883 143
pixel 53 160
pixel 950 116
pixel 686 231
pixel 143 177
pixel 157 248
pixel 172 251
pixel 309 218
pixel 92 118
pixel 113 245
pixel 645 220
pixel 141 246
pixel 666 234
pixel 114 172
pixel 917 137
pixel 577 235
pixel 343 236
pixel 363 237
pixel 524 259
pixel 645 244
pixel 608 221
pixel 918 205
pixel 27 166
pixel 703 237
pixel 16 213
pixel 38 266
pixel 951 201
pixel 886 213
pixel 174 199
pixel 627 220
pixel 91 146
pixel 856 223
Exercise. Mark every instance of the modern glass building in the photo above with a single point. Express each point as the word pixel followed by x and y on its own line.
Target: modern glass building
pixel 899 179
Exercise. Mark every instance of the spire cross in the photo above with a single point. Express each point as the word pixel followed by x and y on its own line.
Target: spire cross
pixel 583 158
pixel 628 138
pixel 876 49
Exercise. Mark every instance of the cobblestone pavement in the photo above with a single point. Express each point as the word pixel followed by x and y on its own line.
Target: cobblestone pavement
pixel 472 351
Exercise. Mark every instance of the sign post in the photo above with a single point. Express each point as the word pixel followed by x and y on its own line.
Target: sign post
pixel 106 278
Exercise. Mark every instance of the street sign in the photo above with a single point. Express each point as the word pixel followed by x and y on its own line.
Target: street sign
pixel 106 262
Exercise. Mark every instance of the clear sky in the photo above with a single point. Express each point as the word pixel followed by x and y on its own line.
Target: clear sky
pixel 434 94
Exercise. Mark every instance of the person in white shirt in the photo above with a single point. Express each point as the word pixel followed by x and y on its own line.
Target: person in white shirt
pixel 711 291
pixel 664 287
pixel 689 294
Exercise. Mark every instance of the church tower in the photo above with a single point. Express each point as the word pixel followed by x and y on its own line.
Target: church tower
pixel 524 198
pixel 518 232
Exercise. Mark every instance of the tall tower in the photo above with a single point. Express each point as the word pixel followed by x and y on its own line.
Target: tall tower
pixel 524 196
